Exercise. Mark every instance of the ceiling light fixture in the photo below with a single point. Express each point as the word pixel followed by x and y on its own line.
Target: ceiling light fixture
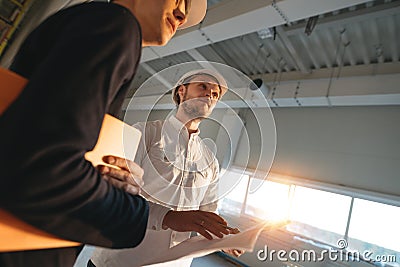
pixel 265 33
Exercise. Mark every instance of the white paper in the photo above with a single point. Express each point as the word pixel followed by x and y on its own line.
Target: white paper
pixel 199 246
pixel 116 138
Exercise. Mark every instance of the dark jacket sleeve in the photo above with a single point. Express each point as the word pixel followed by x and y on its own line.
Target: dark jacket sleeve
pixel 77 61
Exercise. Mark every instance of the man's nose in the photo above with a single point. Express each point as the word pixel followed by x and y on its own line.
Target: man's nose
pixel 179 13
pixel 207 93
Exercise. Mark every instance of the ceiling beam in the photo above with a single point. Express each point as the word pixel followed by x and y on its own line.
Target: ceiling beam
pixel 345 71
pixel 380 89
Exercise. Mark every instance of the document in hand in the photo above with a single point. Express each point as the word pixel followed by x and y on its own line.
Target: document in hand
pixel 199 246
pixel 116 138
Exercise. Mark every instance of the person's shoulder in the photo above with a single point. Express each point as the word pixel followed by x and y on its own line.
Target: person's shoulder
pixel 115 10
pixel 109 21
pixel 101 13
pixel 148 125
pixel 96 7
pixel 157 124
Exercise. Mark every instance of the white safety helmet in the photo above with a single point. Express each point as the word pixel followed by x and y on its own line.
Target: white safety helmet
pixel 188 76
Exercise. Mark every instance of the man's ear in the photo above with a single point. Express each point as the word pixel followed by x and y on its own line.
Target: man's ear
pixel 181 91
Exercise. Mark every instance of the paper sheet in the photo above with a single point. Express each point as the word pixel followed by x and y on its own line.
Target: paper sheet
pixel 199 246
pixel 116 138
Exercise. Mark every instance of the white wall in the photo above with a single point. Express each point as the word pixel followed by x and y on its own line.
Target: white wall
pixel 353 146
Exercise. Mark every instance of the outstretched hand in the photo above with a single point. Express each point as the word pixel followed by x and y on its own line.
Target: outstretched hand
pixel 203 222
pixel 127 176
pixel 234 252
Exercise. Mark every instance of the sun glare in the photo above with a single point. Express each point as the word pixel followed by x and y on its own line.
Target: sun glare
pixel 270 202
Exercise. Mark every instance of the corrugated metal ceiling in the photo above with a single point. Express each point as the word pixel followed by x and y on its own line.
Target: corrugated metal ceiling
pixel 363 34
pixel 356 36
pixel 361 37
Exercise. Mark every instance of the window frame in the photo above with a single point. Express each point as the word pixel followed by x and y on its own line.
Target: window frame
pixel 353 193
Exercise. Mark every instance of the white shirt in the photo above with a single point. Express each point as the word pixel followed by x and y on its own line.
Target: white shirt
pixel 180 173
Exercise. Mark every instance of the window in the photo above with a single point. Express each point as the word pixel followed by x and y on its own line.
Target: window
pixel 232 187
pixel 319 215
pixel 270 201
pixel 375 227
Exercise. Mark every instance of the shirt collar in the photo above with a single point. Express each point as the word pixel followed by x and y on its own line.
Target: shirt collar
pixel 178 125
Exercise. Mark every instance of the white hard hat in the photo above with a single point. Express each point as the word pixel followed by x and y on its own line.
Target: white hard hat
pixel 196 13
pixel 186 78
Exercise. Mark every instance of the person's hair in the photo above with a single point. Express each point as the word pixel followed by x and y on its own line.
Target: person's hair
pixel 186 82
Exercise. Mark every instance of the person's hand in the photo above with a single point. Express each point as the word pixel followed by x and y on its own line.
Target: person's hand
pixel 127 176
pixel 233 252
pixel 203 222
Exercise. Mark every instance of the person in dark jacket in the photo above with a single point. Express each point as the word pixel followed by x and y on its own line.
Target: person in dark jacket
pixel 79 63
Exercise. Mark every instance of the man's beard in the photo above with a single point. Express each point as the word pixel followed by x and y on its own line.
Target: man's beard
pixel 192 110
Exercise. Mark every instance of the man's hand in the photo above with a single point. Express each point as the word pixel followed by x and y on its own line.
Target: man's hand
pixel 234 252
pixel 203 222
pixel 127 176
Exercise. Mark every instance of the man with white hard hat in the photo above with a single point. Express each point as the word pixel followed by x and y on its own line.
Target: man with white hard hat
pixel 180 174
